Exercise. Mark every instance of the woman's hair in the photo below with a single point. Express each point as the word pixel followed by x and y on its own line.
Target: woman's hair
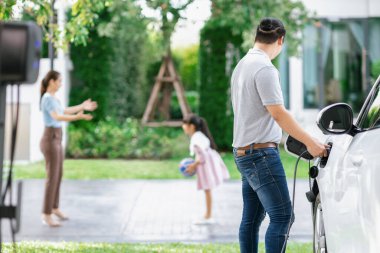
pixel 269 30
pixel 200 125
pixel 51 75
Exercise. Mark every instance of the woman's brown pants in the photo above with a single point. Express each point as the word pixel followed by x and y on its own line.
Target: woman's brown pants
pixel 51 147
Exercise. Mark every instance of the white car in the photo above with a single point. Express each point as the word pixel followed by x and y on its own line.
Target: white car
pixel 347 189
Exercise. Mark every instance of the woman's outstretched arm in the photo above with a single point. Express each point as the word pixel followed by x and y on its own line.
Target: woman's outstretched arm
pixel 87 105
pixel 72 117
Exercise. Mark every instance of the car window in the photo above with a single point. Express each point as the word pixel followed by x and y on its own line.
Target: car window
pixel 371 117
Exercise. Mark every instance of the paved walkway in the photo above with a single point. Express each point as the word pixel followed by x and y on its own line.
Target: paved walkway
pixel 144 211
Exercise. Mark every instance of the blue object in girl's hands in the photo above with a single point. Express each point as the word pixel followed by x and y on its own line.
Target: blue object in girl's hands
pixel 183 166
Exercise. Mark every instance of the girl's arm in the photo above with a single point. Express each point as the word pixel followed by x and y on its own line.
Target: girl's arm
pixel 199 157
pixel 69 118
pixel 192 167
pixel 87 105
pixel 199 160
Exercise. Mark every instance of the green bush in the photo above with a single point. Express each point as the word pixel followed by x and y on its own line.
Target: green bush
pixel 192 98
pixel 112 67
pixel 187 66
pixel 109 139
pixel 128 88
pixel 215 70
pixel 90 76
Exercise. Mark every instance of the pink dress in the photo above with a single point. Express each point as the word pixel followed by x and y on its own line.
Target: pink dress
pixel 211 171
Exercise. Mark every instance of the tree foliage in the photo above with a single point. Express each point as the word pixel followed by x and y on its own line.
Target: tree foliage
pixel 128 86
pixel 215 106
pixel 112 67
pixel 244 15
pixel 84 15
pixel 170 15
pixel 187 65
pixel 90 76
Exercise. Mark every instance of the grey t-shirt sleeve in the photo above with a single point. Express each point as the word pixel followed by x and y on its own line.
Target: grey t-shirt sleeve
pixel 268 86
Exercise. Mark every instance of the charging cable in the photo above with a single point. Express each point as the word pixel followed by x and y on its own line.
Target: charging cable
pixel 293 201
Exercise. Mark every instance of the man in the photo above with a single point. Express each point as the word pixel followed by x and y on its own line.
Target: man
pixel 259 116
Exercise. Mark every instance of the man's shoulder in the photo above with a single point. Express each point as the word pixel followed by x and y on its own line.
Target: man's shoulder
pixel 257 61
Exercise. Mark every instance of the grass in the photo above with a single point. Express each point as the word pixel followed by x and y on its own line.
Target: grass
pixel 138 169
pixel 63 247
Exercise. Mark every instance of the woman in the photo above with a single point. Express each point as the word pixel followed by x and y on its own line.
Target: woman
pixel 51 144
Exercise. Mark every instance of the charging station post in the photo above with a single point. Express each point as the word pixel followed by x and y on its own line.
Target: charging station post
pixel 20 50
pixel 3 91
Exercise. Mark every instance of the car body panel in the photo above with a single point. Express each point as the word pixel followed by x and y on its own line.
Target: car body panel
pixel 349 187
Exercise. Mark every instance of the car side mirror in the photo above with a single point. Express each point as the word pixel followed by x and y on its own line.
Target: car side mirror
pixel 336 119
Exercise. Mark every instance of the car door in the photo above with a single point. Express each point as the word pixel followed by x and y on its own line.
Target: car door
pixel 350 194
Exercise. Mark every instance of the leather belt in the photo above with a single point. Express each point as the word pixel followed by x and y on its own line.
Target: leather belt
pixel 241 150
pixel 259 145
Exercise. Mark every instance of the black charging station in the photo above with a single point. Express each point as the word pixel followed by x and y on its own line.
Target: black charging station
pixel 20 51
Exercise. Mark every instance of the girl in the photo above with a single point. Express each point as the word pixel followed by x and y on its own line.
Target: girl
pixel 209 166
pixel 54 114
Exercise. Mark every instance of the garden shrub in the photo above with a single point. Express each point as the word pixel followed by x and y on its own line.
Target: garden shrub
pixel 129 140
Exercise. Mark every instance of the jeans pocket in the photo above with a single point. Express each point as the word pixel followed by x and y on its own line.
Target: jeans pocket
pixel 251 174
pixel 263 172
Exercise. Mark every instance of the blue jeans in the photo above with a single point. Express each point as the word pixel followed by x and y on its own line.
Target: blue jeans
pixel 264 190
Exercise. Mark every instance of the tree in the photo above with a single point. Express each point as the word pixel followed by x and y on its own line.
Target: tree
pixel 111 68
pixel 128 86
pixel 167 77
pixel 215 70
pixel 170 15
pixel 186 61
pixel 244 15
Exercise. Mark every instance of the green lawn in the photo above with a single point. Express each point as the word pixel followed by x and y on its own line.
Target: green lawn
pixel 138 169
pixel 41 247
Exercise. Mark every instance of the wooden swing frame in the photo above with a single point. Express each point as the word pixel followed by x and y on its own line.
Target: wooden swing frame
pixel 166 80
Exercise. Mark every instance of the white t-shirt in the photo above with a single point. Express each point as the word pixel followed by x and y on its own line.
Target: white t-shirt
pixel 200 140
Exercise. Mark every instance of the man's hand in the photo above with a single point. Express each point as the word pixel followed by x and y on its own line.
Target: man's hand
pixel 315 148
pixel 286 121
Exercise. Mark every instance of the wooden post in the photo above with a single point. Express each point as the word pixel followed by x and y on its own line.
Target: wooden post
pixel 166 79
pixel 153 96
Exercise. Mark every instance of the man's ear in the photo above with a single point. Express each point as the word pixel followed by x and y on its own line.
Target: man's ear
pixel 280 41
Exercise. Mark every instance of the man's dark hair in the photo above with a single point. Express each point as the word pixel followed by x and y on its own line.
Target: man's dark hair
pixel 269 30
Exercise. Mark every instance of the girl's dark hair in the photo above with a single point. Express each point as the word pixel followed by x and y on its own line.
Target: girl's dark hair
pixel 269 30
pixel 200 125
pixel 51 75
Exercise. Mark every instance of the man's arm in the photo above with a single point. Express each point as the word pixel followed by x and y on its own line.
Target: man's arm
pixel 286 121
